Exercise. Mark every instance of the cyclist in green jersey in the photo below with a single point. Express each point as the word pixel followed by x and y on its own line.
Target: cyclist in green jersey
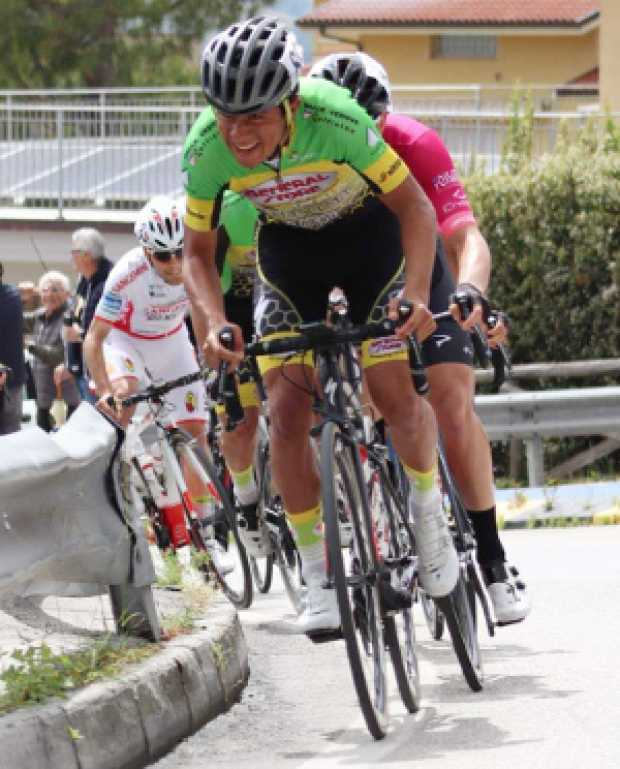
pixel 338 207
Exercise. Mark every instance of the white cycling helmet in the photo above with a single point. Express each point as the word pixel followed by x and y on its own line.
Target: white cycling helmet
pixel 159 225
pixel 251 66
pixel 364 76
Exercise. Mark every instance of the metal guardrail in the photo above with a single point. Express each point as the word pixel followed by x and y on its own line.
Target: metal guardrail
pixel 533 416
pixel 60 532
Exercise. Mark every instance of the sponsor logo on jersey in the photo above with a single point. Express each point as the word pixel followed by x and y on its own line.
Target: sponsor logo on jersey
pixel 129 365
pixel 371 137
pixel 445 179
pixel 386 346
pixel 190 402
pixel 156 291
pixel 112 303
pixel 391 170
pixel 292 187
pixel 166 311
pixel 130 277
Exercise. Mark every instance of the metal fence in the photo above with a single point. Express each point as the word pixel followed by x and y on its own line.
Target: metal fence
pixel 110 150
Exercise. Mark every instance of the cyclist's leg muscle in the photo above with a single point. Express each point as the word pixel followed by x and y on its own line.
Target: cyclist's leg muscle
pixel 409 417
pixel 465 441
pixel 290 411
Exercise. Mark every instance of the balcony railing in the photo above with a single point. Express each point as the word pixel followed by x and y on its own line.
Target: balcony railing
pixel 110 150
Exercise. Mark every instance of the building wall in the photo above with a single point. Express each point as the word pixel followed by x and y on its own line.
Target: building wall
pixel 610 55
pixel 528 59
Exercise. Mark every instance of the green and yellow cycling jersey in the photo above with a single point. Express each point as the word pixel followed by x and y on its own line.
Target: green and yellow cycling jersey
pixel 239 219
pixel 334 159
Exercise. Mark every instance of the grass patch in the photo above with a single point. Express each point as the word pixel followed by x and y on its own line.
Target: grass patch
pixel 39 674
pixel 171 574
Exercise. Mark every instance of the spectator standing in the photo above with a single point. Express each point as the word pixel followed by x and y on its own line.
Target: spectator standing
pixel 47 347
pixel 89 260
pixel 11 355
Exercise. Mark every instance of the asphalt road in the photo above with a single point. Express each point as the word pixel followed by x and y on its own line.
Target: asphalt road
pixel 551 698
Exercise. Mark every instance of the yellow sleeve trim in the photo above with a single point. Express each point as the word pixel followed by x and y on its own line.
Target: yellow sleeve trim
pixel 389 172
pixel 199 214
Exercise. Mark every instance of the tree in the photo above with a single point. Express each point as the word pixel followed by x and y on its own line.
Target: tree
pixel 105 43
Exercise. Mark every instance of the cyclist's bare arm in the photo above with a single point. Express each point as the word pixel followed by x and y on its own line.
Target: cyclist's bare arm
pixel 95 361
pixel 418 225
pixel 469 259
pixel 202 282
pixel 93 354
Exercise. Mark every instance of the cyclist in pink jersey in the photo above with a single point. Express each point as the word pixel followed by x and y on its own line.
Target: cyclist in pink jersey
pixel 448 352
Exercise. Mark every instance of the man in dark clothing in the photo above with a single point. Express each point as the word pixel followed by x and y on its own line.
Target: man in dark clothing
pixel 12 356
pixel 89 260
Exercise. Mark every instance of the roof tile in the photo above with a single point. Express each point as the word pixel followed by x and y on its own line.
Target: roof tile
pixel 459 12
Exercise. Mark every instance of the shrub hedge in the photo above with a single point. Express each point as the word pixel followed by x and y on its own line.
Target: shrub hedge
pixel 553 226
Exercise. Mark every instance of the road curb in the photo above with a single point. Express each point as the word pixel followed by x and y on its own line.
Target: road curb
pixel 129 722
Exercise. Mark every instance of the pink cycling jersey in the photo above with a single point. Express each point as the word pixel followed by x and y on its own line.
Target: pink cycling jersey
pixel 138 302
pixel 431 165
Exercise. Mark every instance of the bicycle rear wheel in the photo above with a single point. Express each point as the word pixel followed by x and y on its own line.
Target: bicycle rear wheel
pixel 459 607
pixel 236 584
pixel 435 621
pixel 262 572
pixel 355 574
pixel 397 549
pixel 273 517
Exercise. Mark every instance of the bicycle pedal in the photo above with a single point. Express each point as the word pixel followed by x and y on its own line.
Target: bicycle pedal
pixel 325 636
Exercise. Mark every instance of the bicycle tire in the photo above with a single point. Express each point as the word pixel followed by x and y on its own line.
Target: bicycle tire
pixel 459 607
pixel 355 576
pixel 397 543
pixel 236 585
pixel 262 572
pixel 271 511
pixel 435 621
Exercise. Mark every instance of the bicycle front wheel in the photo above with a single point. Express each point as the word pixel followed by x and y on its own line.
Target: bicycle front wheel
pixel 236 580
pixel 459 610
pixel 355 574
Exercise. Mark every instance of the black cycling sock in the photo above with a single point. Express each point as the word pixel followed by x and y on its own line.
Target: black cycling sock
pixel 490 549
pixel 44 419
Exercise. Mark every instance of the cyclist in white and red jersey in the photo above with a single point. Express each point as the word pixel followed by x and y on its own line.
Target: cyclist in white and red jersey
pixel 138 334
pixel 448 352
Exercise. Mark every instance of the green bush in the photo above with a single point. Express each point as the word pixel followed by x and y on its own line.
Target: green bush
pixel 553 225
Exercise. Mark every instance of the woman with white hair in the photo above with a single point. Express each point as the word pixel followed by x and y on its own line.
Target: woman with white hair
pixel 47 349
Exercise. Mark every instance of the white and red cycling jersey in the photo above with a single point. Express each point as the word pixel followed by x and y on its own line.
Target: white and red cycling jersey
pixel 136 301
pixel 432 167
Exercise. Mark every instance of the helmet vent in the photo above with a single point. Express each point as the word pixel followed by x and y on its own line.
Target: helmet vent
pixel 266 83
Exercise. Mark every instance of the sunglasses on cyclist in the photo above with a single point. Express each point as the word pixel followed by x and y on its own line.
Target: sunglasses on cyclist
pixel 166 256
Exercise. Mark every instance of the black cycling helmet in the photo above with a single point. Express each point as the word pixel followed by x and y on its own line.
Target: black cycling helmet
pixel 362 75
pixel 251 66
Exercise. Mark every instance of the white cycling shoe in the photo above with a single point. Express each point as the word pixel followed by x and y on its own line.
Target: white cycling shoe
pixel 221 558
pixel 508 593
pixel 320 613
pixel 438 563
pixel 255 540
